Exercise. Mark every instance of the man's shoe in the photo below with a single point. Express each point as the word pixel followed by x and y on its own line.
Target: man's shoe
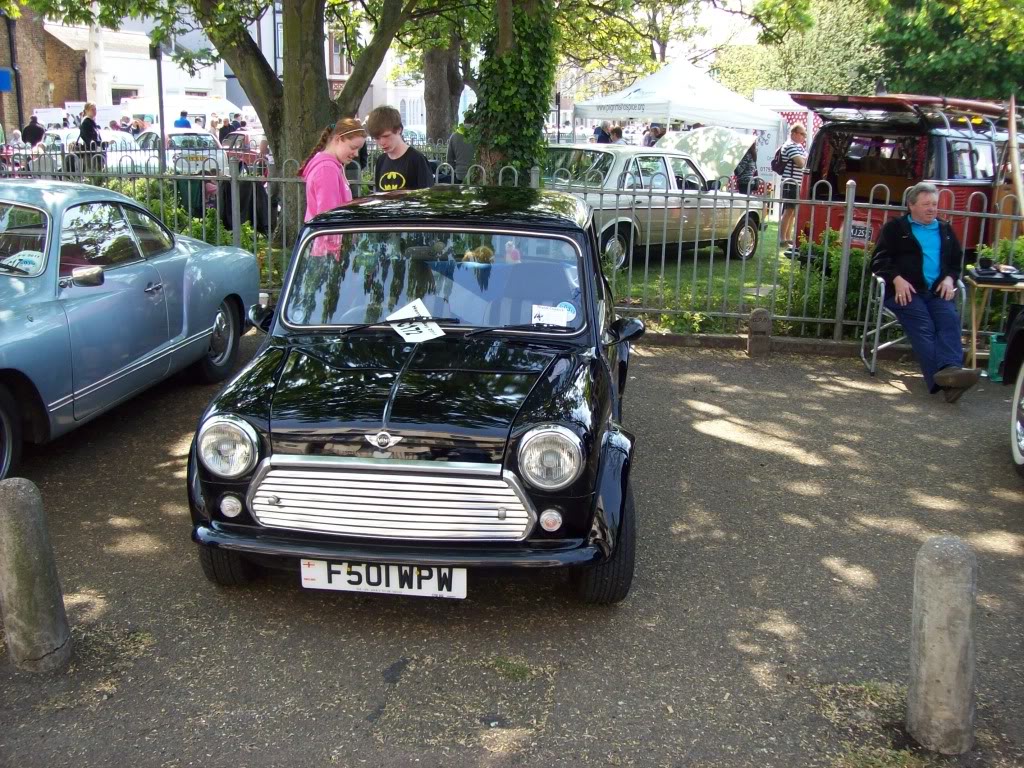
pixel 952 394
pixel 955 377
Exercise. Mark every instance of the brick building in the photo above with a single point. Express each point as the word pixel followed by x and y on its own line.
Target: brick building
pixel 47 72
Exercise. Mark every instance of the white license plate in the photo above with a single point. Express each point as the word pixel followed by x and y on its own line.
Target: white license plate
pixel 860 231
pixel 380 578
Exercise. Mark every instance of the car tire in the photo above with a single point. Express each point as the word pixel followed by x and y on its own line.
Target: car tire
pixel 1017 423
pixel 10 434
pixel 609 582
pixel 220 358
pixel 224 567
pixel 744 239
pixel 621 235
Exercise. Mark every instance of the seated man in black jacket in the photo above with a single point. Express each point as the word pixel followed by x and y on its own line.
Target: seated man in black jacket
pixel 919 258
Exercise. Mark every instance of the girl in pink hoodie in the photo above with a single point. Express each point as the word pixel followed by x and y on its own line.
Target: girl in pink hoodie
pixel 324 169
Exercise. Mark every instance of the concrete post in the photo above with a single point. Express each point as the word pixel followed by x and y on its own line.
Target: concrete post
pixel 38 637
pixel 759 334
pixel 940 700
pixel 236 203
pixel 535 177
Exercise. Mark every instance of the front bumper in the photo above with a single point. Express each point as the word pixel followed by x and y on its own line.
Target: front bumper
pixel 277 544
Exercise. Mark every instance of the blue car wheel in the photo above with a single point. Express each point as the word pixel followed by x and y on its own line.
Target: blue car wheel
pixel 10 434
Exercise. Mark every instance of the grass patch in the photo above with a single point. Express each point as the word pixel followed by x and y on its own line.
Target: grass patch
pixel 511 669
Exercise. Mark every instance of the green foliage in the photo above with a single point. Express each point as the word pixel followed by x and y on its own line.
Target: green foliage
pixel 835 55
pixel 514 90
pixel 1007 251
pixel 970 49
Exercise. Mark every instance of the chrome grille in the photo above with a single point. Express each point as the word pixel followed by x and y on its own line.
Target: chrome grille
pixel 400 500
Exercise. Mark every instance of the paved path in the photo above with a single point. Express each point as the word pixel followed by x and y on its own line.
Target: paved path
pixel 781 505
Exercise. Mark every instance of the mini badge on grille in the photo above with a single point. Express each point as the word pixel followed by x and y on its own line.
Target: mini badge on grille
pixel 383 440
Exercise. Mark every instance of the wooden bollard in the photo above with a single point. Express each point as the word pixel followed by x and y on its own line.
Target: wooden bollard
pixel 36 627
pixel 759 333
pixel 940 699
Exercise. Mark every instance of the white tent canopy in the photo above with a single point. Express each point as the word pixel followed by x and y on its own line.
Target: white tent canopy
pixel 680 91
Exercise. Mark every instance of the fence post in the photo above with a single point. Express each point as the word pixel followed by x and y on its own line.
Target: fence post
pixel 535 177
pixel 940 698
pixel 844 261
pixel 236 203
pixel 38 637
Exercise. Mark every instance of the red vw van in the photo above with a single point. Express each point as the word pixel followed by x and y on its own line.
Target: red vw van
pixel 886 144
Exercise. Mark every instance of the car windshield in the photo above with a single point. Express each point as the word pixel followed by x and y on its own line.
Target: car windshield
pixel 22 240
pixel 565 165
pixel 192 141
pixel 478 279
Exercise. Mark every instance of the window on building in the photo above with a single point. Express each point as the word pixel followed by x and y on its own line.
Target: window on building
pixel 337 56
pixel 197 93
pixel 403 111
pixel 116 94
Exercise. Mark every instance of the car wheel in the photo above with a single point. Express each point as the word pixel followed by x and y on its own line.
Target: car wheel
pixel 743 242
pixel 609 582
pixel 616 243
pixel 10 434
pixel 1017 424
pixel 223 351
pixel 224 567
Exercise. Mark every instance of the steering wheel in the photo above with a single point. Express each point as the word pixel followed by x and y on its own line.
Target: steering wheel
pixel 354 315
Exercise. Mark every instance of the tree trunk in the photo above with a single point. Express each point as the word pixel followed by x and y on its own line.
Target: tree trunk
pixel 436 94
pixel 308 108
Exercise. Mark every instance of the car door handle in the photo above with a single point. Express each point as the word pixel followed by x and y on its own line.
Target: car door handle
pixel 153 287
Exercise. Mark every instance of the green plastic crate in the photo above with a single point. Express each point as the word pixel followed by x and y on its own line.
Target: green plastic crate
pixel 996 353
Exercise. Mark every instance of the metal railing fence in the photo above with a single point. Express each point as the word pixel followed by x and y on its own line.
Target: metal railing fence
pixel 697 260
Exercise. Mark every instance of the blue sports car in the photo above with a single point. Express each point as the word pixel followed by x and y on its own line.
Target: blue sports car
pixel 99 300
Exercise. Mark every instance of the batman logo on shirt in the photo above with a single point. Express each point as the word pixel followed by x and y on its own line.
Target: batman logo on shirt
pixel 391 181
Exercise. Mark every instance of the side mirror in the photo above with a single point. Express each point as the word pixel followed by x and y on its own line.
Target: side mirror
pixel 87 277
pixel 261 317
pixel 626 329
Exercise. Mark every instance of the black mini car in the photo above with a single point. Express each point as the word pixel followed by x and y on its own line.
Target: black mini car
pixel 440 389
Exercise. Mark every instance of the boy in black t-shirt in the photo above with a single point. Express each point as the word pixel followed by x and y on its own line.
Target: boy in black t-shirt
pixel 401 166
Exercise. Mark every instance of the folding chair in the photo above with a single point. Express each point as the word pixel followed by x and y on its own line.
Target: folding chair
pixel 884 319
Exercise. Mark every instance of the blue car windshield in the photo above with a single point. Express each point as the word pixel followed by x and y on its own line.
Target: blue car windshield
pixel 22 240
pixel 480 279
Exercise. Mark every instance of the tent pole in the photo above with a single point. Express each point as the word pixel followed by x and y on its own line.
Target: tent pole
pixel 574 121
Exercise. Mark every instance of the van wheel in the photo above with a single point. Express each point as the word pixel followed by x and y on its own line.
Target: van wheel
pixel 744 239
pixel 10 433
pixel 609 582
pixel 1017 423
pixel 224 567
pixel 615 243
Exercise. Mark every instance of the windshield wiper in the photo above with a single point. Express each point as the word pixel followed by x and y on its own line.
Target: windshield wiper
pixel 14 269
pixel 519 327
pixel 413 319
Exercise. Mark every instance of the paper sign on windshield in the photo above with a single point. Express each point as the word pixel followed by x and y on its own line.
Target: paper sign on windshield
pixel 550 315
pixel 414 330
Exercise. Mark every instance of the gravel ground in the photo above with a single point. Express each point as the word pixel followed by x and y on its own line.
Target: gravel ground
pixel 781 505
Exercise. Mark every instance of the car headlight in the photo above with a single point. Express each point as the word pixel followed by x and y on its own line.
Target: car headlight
pixel 550 457
pixel 227 446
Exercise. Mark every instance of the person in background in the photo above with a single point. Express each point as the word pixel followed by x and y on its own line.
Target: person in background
pixel 655 132
pixel 88 131
pixel 215 127
pixel 795 157
pixel 182 121
pixel 32 133
pixel 616 135
pixel 601 134
pixel 324 169
pixel 746 172
pixel 114 125
pixel 461 150
pixel 919 258
pixel 401 166
pixel 126 124
pixel 137 127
